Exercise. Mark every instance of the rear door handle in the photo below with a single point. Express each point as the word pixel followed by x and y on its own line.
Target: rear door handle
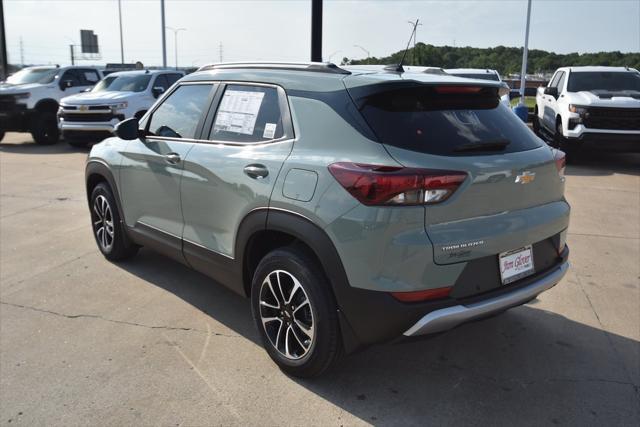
pixel 173 158
pixel 256 171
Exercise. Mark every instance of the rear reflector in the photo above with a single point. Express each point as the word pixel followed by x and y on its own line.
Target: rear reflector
pixel 392 185
pixel 417 296
pixel 561 162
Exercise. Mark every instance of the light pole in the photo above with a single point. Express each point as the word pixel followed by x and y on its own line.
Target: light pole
pixel 164 35
pixel 415 26
pixel 523 72
pixel 121 42
pixel 364 50
pixel 333 53
pixel 175 37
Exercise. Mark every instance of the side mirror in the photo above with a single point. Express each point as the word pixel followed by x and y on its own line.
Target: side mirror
pixel 128 129
pixel 550 90
pixel 157 91
pixel 66 84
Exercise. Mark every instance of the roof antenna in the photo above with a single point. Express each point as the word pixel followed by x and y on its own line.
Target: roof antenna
pixel 398 68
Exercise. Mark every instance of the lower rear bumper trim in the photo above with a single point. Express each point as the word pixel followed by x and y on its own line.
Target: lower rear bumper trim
pixel 450 317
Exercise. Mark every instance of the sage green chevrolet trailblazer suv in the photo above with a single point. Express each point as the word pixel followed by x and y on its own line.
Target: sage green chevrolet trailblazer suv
pixel 352 205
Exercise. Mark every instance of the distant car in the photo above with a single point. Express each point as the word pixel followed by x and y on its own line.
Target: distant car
pixel 351 206
pixel 593 107
pixel 92 116
pixel 29 98
pixel 483 74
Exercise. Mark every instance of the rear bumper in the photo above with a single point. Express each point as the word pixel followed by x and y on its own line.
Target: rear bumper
pixel 450 317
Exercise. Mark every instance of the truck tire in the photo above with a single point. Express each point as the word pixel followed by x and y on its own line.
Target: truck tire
pixel 45 129
pixel 535 121
pixel 1 135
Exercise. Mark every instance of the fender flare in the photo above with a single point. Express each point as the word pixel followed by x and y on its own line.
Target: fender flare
pixel 98 167
pixel 47 104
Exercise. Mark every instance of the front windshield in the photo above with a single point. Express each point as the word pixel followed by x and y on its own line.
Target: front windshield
pixel 103 84
pixel 33 75
pixel 129 83
pixel 483 76
pixel 604 80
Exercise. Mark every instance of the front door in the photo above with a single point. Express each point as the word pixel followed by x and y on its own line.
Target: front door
pixel 249 137
pixel 151 170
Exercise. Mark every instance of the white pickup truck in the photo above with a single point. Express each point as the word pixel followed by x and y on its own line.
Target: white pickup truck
pixel 590 107
pixel 29 98
pixel 92 116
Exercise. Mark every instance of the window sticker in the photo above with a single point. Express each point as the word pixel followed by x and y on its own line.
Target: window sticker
pixel 238 112
pixel 269 131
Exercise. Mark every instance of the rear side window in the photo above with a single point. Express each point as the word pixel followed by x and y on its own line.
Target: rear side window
pixel 446 122
pixel 179 114
pixel 248 114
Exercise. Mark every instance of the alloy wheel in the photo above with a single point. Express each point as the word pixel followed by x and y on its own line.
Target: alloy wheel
pixel 103 222
pixel 286 314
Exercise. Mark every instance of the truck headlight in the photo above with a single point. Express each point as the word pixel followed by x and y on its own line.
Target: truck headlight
pixel 119 106
pixel 577 109
pixel 24 95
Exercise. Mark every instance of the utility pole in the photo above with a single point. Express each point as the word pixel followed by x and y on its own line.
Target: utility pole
pixel 316 30
pixel 523 73
pixel 21 53
pixel 73 61
pixel 175 38
pixel 4 69
pixel 121 42
pixel 415 26
pixel 164 38
pixel 364 50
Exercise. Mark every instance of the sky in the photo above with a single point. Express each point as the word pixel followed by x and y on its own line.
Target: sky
pixel 243 30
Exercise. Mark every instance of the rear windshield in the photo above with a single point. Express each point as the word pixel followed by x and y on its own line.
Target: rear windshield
pixel 603 80
pixel 427 121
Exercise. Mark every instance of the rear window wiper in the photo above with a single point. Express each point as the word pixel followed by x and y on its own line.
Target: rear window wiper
pixel 497 145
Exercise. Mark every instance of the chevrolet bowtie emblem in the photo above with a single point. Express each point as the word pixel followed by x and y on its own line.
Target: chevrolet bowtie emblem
pixel 83 108
pixel 525 177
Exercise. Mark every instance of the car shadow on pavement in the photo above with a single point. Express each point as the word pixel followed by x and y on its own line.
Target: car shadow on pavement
pixel 592 163
pixel 528 364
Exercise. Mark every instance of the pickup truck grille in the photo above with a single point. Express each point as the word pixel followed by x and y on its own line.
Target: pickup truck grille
pixel 612 118
pixel 7 103
pixel 87 117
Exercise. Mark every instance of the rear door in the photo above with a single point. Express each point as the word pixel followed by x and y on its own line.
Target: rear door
pixel 249 135
pixel 151 169
pixel 513 193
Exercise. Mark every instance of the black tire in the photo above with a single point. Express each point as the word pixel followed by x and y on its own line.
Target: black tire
pixel 558 138
pixel 139 114
pixel 1 135
pixel 45 129
pixel 118 247
pixel 535 122
pixel 319 316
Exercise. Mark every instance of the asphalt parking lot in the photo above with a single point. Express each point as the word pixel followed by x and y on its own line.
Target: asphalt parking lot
pixel 149 342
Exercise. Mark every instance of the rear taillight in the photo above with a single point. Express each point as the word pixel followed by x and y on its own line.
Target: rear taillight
pixel 417 296
pixel 561 161
pixel 391 185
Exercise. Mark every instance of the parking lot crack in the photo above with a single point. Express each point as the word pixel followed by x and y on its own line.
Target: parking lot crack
pixel 121 322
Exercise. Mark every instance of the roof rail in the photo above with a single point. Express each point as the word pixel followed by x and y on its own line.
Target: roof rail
pixel 320 67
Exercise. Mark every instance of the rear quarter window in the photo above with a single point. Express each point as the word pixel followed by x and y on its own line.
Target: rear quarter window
pixel 423 120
